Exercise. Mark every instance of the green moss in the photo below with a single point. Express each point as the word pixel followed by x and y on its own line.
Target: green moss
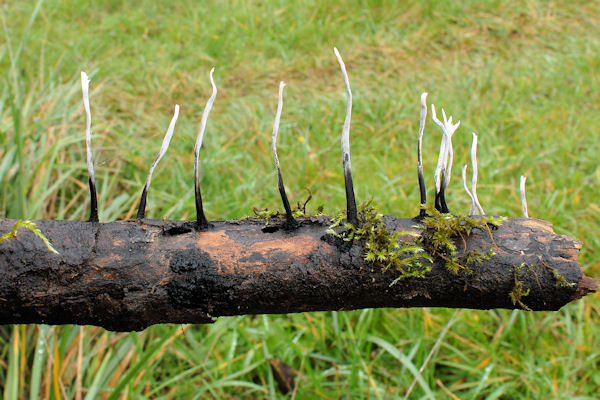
pixel 442 230
pixel 31 226
pixel 383 247
pixel 414 258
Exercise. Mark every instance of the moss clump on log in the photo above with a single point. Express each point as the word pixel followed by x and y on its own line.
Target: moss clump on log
pixel 412 254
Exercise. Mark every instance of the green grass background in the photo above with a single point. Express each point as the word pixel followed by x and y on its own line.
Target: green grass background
pixel 523 75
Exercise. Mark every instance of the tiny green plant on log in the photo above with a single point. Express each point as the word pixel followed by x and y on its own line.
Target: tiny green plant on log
pixel 299 211
pixel 266 214
pixel 31 226
pixel 441 231
pixel 560 280
pixel 519 291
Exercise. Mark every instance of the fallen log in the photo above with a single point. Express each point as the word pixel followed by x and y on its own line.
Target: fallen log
pixel 128 275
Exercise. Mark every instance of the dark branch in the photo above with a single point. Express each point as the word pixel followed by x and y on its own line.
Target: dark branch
pixel 127 275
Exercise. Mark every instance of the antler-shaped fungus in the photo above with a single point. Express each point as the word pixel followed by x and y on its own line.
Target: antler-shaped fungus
pixel 163 149
pixel 85 89
pixel 351 210
pixel 286 204
pixel 201 221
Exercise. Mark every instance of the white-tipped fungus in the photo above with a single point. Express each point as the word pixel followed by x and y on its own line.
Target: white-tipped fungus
pixel 523 198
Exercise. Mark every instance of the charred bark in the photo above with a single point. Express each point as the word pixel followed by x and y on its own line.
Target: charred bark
pixel 128 275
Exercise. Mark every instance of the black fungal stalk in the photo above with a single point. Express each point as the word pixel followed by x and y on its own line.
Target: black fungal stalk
pixel 93 201
pixel 351 210
pixel 165 145
pixel 85 88
pixel 442 195
pixel 290 221
pixel 201 221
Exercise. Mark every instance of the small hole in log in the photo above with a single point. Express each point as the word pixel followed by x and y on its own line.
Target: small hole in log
pixel 177 230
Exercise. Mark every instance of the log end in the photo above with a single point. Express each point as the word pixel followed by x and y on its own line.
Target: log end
pixel 585 286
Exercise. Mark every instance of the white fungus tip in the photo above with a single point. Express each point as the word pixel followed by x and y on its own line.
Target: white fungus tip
pixel 475 172
pixel 523 198
pixel 164 146
pixel 464 180
pixel 435 118
pixel 276 127
pixel 170 130
pixel 85 89
pixel 346 128
pixel 422 119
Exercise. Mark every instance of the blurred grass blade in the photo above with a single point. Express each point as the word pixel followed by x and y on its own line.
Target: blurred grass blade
pixel 96 385
pixel 142 362
pixel 19 209
pixel 11 389
pixel 38 362
pixel 394 352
